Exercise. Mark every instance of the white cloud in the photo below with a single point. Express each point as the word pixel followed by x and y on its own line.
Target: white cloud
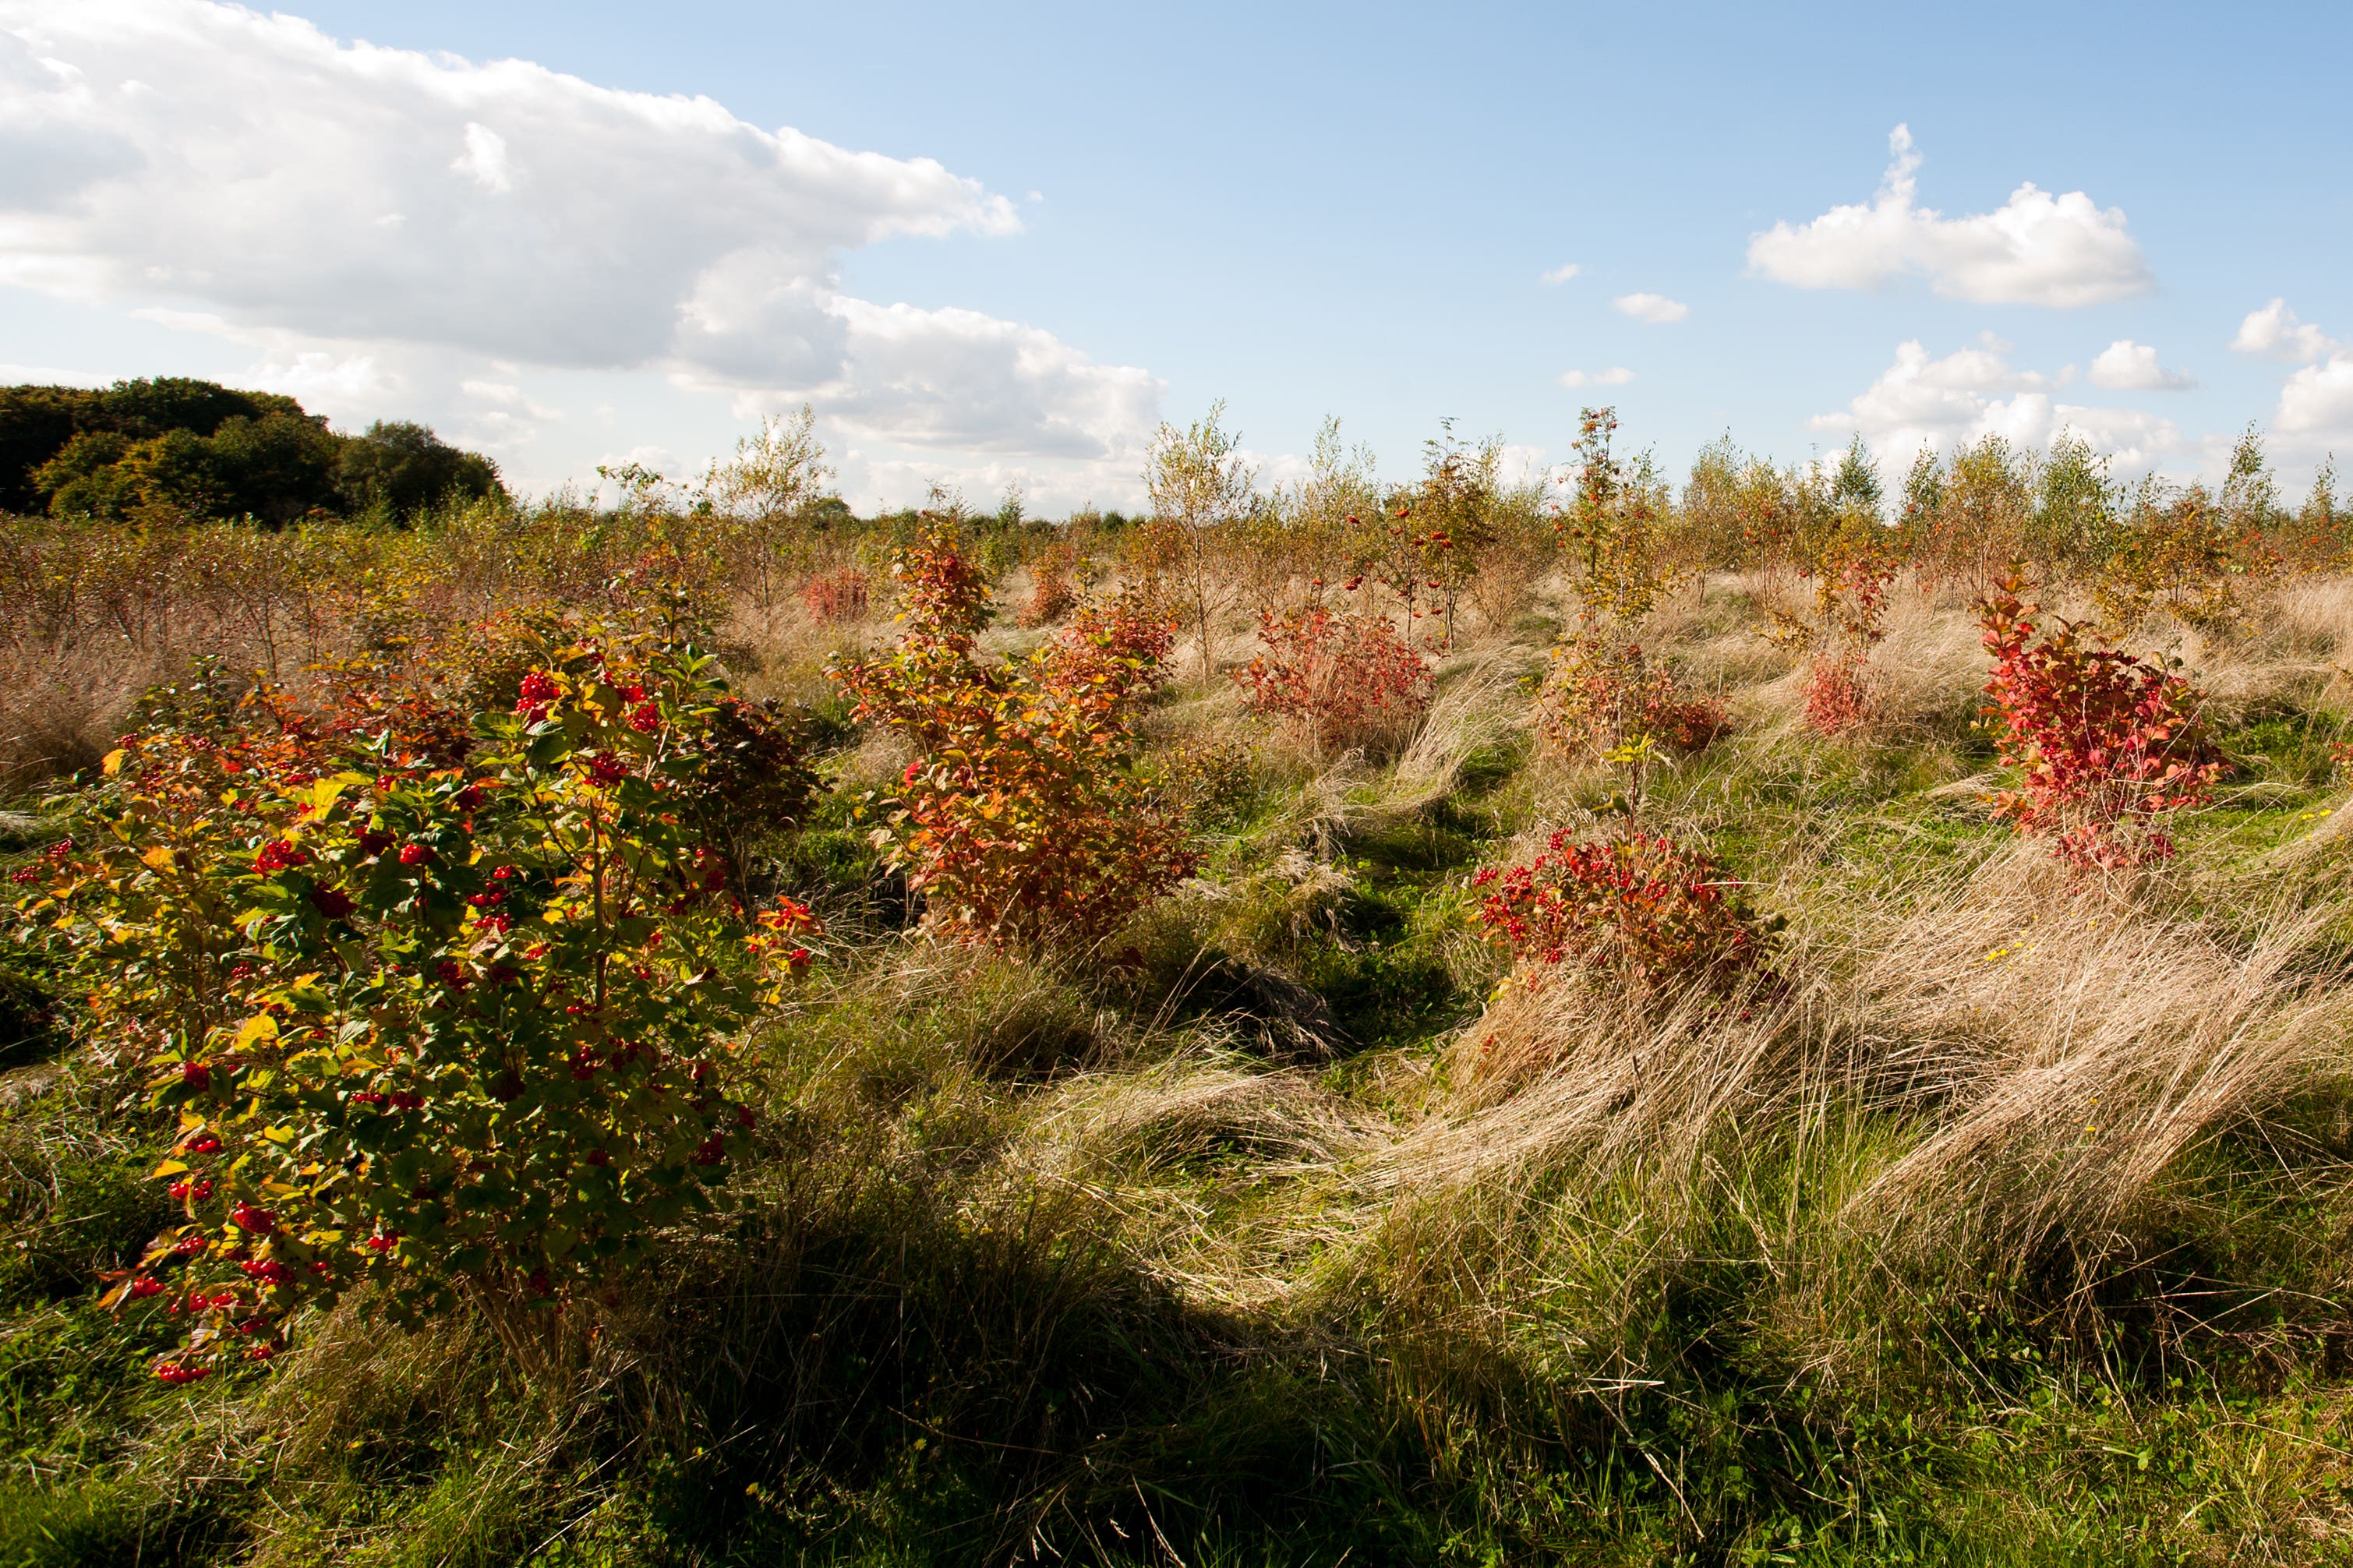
pixel 1655 309
pixel 2275 333
pixel 2127 366
pixel 959 379
pixel 1922 403
pixel 2314 413
pixel 2317 403
pixel 484 159
pixel 1615 375
pixel 2037 250
pixel 372 218
pixel 321 378
pixel 1561 274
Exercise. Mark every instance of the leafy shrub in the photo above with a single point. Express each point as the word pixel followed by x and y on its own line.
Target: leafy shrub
pixel 1850 583
pixel 836 596
pixel 1052 592
pixel 1341 677
pixel 2106 743
pixel 1642 908
pixel 1600 697
pixel 1619 533
pixel 1212 782
pixel 440 996
pixel 1022 821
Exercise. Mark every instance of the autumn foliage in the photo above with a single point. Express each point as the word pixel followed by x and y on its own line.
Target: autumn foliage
pixel 2106 745
pixel 834 596
pixel 1642 908
pixel 1601 697
pixel 441 998
pixel 1022 820
pixel 1337 677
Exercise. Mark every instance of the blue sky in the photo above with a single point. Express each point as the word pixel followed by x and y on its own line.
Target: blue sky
pixel 1302 209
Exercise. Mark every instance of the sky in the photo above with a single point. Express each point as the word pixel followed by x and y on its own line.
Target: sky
pixel 1003 245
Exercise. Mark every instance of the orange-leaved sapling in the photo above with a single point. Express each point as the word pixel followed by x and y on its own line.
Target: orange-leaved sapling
pixel 1022 821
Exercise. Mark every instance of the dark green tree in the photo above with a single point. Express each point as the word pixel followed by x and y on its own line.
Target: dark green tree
pixel 402 468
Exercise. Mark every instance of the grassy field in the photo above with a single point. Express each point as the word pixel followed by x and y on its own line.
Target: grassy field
pixel 2002 1218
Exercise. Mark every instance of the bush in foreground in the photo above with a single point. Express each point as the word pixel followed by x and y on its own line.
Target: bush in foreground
pixel 440 999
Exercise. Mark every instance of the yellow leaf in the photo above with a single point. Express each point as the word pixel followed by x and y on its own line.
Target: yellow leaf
pixel 158 858
pixel 113 763
pixel 169 1168
pixel 260 1026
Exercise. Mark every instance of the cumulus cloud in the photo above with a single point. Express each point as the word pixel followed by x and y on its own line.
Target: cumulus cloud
pixel 2127 366
pixel 2314 415
pixel 1655 309
pixel 2037 250
pixel 1615 375
pixel 2317 402
pixel 1561 274
pixel 1923 404
pixel 2275 333
pixel 961 379
pixel 366 214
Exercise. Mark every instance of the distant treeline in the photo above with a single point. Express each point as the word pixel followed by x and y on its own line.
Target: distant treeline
pixel 174 448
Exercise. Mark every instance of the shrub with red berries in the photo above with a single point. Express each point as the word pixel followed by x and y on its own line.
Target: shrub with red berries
pixel 2106 745
pixel 439 998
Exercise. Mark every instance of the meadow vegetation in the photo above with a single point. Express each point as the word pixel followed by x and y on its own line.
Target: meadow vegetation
pixel 1791 1015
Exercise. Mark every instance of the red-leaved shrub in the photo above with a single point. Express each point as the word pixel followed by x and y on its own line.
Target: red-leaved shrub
pixel 1643 908
pixel 2106 743
pixel 1849 614
pixel 1600 697
pixel 1053 594
pixel 836 595
pixel 1339 678
pixel 1022 821
pixel 1837 693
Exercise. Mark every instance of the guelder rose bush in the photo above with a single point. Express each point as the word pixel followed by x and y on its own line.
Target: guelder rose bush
pixel 2105 744
pixel 1643 908
pixel 1022 821
pixel 1339 678
pixel 442 1000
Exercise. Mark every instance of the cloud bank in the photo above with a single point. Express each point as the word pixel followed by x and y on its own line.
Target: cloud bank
pixel 2316 402
pixel 369 218
pixel 1920 404
pixel 2037 250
